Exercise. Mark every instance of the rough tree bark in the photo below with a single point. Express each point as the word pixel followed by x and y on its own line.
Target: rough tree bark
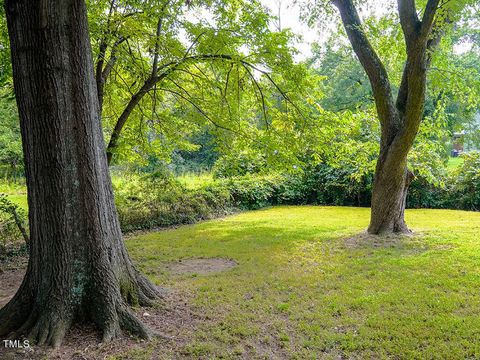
pixel 399 119
pixel 78 268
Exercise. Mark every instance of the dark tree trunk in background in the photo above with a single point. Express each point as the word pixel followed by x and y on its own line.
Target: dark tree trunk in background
pixel 399 119
pixel 78 268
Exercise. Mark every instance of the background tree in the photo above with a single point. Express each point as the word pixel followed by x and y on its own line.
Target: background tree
pixel 450 104
pixel 399 119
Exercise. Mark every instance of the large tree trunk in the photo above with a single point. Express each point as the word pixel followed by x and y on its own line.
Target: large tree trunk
pixel 389 195
pixel 78 268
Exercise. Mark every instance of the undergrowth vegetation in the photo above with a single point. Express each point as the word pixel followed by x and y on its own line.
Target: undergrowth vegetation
pixel 159 199
pixel 13 225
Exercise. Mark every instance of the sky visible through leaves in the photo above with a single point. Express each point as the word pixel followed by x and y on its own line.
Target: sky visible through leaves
pixel 290 17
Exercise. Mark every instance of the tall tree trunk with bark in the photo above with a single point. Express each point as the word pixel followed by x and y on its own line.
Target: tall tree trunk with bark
pixel 399 119
pixel 78 268
pixel 390 187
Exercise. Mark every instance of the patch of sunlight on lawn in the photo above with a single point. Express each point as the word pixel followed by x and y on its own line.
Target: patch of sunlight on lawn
pixel 195 181
pixel 20 200
pixel 300 291
pixel 454 162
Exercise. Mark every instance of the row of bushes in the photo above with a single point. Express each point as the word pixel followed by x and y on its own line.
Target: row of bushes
pixel 159 200
pixel 461 190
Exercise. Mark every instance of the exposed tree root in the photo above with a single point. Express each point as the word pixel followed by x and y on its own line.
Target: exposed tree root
pixel 16 311
pixel 130 323
pixel 49 331
pixel 50 328
pixel 48 325
pixel 147 292
pixel 398 228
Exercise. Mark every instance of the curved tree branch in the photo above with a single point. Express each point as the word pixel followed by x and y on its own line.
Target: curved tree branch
pixel 167 69
pixel 374 68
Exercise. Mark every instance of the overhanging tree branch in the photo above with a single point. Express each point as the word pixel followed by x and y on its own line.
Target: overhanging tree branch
pixel 156 52
pixel 260 91
pixel 274 83
pixel 373 67
pixel 197 107
pixel 166 69
pixel 428 18
pixel 208 117
pixel 102 70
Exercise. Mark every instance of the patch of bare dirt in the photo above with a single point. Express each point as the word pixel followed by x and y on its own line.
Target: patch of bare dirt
pixel 200 266
pixel 392 241
pixel 10 281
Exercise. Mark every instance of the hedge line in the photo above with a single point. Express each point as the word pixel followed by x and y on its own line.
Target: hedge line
pixel 159 200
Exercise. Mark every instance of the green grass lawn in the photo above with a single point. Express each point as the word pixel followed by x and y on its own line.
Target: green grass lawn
pixel 16 193
pixel 302 291
pixel 454 162
pixel 20 200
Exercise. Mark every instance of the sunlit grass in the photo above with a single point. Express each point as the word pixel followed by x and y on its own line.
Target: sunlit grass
pixel 17 192
pixel 300 291
pixel 454 162
pixel 12 188
pixel 20 200
pixel 194 181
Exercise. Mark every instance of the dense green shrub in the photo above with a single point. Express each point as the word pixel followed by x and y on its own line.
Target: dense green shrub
pixel 460 191
pixel 422 194
pixel 465 183
pixel 294 189
pixel 338 186
pixel 159 200
pixel 253 192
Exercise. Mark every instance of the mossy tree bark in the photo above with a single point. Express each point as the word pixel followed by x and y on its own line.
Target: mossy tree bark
pixel 78 268
pixel 400 119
